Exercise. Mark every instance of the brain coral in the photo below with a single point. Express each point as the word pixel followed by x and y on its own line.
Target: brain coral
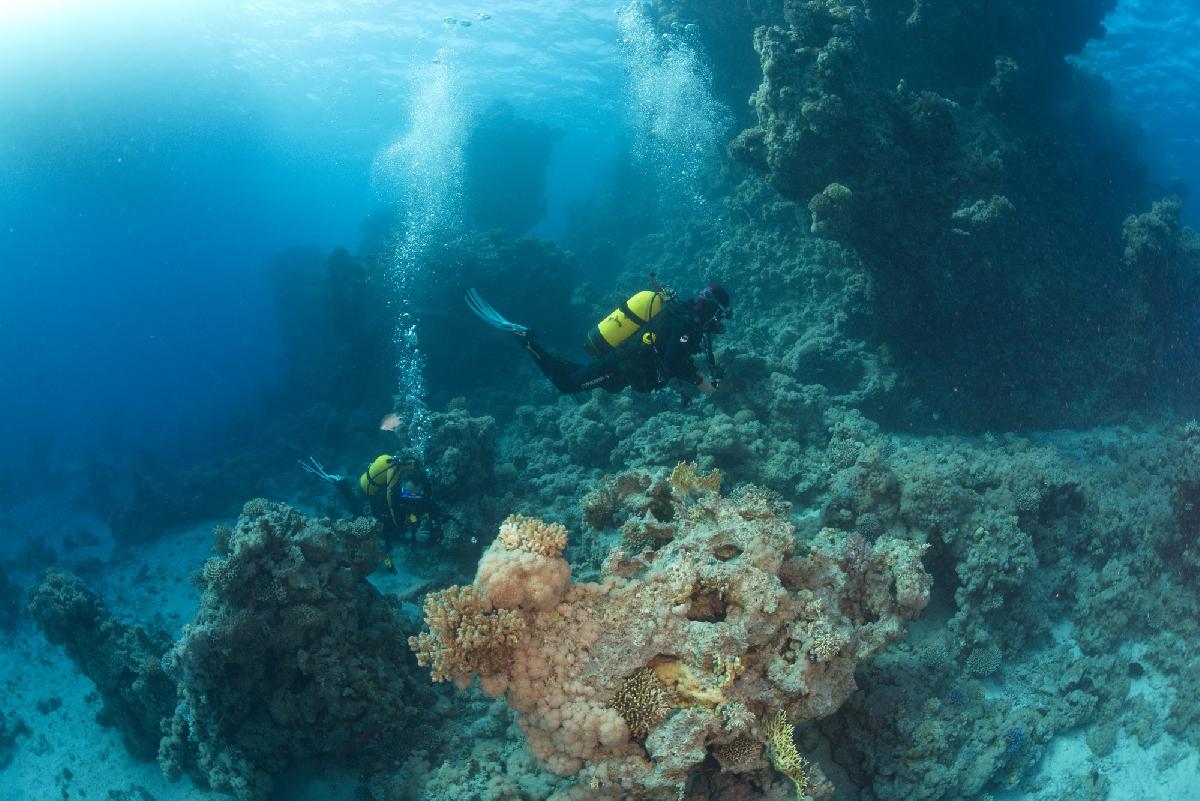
pixel 630 683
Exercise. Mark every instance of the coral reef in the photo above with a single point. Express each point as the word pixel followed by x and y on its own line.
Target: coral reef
pixel 123 660
pixel 630 682
pixel 461 453
pixel 931 224
pixel 1043 551
pixel 292 655
pixel 917 140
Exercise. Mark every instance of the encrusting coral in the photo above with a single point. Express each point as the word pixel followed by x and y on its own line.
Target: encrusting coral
pixel 629 683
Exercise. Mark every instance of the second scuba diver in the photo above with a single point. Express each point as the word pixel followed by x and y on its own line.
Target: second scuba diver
pixel 648 341
pixel 393 492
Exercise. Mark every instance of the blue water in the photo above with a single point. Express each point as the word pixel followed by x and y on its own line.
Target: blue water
pixel 1151 57
pixel 156 157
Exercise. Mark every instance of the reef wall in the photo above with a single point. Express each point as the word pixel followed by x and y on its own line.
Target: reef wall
pixel 984 182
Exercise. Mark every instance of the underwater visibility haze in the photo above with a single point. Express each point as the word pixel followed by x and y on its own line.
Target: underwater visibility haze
pixel 617 400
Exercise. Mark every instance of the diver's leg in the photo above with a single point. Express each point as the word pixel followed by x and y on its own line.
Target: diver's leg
pixel 567 376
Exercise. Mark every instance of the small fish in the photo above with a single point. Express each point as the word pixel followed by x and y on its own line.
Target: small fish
pixel 483 17
pixel 450 20
pixel 466 23
pixel 391 422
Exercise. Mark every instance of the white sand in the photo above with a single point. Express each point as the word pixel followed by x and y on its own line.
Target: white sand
pixel 69 756
pixel 1167 770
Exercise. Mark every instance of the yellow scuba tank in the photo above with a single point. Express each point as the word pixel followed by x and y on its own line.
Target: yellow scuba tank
pixel 381 473
pixel 625 320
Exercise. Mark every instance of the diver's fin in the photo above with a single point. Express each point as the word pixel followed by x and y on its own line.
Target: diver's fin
pixel 484 311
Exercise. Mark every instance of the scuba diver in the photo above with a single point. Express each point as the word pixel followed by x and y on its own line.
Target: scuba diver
pixel 393 492
pixel 646 342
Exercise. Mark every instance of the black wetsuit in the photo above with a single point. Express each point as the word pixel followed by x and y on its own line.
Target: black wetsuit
pixel 659 351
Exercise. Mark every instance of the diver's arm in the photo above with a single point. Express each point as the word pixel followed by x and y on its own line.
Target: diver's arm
pixel 678 354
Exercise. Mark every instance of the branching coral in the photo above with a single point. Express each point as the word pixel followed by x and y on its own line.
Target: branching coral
pixel 787 760
pixel 521 533
pixel 464 639
pixel 642 702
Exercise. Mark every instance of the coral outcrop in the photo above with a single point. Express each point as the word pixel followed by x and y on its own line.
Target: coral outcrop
pixel 692 645
pixel 974 172
pixel 292 654
pixel 123 660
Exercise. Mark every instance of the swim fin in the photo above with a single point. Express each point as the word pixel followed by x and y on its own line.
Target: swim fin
pixel 484 311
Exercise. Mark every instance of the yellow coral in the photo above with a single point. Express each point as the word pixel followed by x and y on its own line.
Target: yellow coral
pixel 686 479
pixel 694 686
pixel 521 533
pixel 785 757
pixel 463 639
pixel 826 643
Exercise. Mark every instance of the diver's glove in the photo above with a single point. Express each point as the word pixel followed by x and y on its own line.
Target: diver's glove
pixel 313 467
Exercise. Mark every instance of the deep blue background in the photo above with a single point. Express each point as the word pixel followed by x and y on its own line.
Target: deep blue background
pixel 1151 56
pixel 154 158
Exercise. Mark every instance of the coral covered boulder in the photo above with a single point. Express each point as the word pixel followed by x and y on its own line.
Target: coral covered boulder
pixel 292 655
pixel 708 645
